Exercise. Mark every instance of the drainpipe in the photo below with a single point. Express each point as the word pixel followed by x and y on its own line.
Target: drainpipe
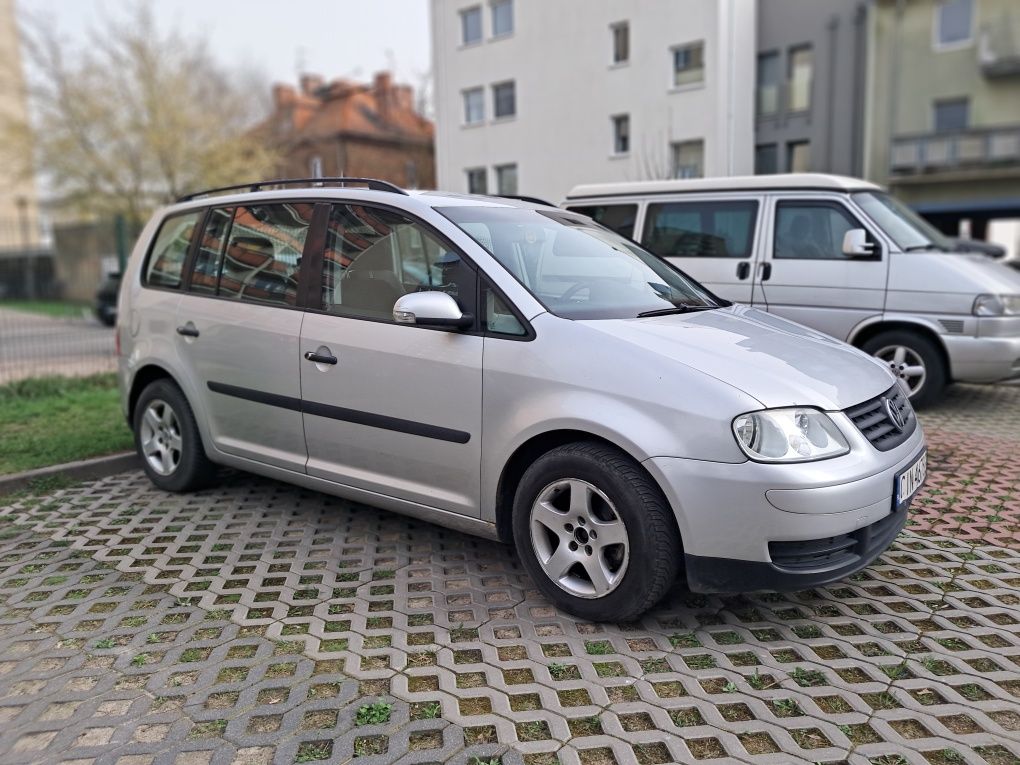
pixel 830 105
pixel 894 83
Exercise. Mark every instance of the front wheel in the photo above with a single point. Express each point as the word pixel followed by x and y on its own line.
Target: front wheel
pixel 168 440
pixel 916 362
pixel 595 533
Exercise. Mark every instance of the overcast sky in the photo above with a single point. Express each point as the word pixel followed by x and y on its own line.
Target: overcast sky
pixel 335 38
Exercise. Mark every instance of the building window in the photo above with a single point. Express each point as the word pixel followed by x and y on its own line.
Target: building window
pixel 954 22
pixel 506 180
pixel 688 159
pixel 471 25
pixel 621 134
pixel 801 70
pixel 621 42
pixel 477 183
pixel 504 100
pixel 768 84
pixel 766 159
pixel 502 18
pixel 474 106
pixel 798 156
pixel 951 115
pixel 688 64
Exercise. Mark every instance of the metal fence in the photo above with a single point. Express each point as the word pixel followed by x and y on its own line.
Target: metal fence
pixel 49 324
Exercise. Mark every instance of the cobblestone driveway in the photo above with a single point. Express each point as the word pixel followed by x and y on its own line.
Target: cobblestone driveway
pixel 250 624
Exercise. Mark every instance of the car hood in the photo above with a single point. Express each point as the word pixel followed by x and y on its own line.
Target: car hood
pixel 778 362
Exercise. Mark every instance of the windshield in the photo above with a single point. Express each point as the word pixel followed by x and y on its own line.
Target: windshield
pixel 576 268
pixel 905 227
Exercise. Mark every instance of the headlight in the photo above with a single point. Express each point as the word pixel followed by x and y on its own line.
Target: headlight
pixel 997 305
pixel 796 434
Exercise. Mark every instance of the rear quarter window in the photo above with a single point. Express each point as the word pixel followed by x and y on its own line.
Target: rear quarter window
pixel 165 265
pixel 722 229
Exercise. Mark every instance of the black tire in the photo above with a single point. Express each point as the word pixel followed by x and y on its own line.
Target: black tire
pixel 193 469
pixel 654 541
pixel 936 374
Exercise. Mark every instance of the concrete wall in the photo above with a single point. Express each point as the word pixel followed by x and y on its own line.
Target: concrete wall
pixel 568 89
pixel 834 125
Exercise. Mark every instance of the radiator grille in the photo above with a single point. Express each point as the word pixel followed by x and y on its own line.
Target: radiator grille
pixel 887 420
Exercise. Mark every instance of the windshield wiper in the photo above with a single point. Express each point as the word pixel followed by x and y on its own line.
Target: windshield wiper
pixel 676 309
pixel 922 247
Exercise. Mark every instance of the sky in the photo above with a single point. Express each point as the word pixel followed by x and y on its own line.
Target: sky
pixel 334 38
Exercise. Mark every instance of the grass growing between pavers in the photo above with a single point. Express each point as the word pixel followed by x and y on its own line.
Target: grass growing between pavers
pixel 50 420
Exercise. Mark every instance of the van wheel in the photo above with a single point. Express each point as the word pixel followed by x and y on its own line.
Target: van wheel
pixel 595 533
pixel 168 441
pixel 916 362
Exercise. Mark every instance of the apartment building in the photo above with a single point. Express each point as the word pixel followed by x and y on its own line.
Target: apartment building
pixel 809 86
pixel 535 97
pixel 943 106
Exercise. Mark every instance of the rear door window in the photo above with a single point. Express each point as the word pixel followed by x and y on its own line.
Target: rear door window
pixel 263 254
pixel 722 229
pixel 165 265
pixel 619 218
pixel 205 274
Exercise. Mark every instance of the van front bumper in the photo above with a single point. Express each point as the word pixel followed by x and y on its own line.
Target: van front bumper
pixel 753 526
pixel 991 356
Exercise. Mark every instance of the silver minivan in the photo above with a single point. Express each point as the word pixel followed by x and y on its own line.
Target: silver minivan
pixel 836 254
pixel 511 370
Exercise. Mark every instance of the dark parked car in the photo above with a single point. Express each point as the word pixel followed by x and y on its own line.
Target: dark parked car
pixel 106 299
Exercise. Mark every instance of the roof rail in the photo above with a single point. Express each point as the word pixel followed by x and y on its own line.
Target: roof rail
pixel 372 183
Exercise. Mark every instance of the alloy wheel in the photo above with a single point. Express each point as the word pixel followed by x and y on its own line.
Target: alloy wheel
pixel 161 437
pixel 906 364
pixel 579 538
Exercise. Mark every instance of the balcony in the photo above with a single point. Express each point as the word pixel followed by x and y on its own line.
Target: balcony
pixel 974 149
pixel 999 46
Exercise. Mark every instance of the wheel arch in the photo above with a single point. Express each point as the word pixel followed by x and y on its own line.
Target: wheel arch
pixel 145 376
pixel 529 451
pixel 862 334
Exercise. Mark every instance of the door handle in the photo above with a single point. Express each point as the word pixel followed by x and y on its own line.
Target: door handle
pixel 743 269
pixel 766 271
pixel 320 358
pixel 188 330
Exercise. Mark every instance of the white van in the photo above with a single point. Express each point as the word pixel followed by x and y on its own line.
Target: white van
pixel 836 254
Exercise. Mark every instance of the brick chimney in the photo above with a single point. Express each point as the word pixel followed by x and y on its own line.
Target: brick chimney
pixel 283 96
pixel 382 89
pixel 310 84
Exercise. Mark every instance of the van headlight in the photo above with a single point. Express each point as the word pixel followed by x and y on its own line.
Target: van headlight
pixel 796 434
pixel 997 305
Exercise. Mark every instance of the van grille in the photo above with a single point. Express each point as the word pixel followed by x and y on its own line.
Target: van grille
pixel 873 419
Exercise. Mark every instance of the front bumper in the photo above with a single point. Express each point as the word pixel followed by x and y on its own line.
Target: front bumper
pixel 991 356
pixel 741 523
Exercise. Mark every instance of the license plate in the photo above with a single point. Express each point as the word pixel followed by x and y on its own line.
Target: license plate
pixel 910 480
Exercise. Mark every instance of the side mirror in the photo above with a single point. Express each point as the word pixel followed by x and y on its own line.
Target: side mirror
pixel 856 244
pixel 430 309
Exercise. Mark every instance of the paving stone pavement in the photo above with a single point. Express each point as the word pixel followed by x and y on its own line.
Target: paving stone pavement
pixel 256 623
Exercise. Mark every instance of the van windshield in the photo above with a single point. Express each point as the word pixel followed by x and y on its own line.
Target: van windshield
pixel 578 269
pixel 905 227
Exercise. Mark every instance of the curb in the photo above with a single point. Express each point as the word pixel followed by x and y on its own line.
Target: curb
pixel 80 470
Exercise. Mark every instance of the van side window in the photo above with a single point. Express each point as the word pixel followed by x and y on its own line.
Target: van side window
pixel 263 254
pixel 374 256
pixel 722 229
pixel 169 251
pixel 205 274
pixel 619 218
pixel 811 230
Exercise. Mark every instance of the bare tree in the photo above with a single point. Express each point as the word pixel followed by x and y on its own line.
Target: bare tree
pixel 134 118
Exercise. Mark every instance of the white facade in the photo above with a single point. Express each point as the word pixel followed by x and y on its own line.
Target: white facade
pixel 567 91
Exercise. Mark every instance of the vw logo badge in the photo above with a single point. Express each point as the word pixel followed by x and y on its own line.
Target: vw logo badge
pixel 895 415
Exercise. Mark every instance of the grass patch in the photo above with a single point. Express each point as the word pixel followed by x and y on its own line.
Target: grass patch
pixel 50 420
pixel 58 309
